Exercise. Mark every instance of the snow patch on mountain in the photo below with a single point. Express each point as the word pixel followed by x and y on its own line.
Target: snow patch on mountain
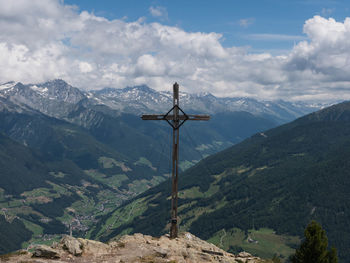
pixel 41 90
pixel 142 99
pixel 7 85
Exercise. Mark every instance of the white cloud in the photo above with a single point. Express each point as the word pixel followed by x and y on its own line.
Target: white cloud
pixel 159 11
pixel 275 37
pixel 245 22
pixel 18 62
pixel 85 67
pixel 327 54
pixel 149 66
pixel 42 40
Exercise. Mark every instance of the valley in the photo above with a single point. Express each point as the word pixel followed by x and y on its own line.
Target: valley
pixel 82 159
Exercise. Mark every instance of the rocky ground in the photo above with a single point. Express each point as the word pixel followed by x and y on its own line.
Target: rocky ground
pixel 136 248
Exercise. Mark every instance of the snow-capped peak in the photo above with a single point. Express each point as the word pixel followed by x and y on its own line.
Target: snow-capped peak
pixel 8 85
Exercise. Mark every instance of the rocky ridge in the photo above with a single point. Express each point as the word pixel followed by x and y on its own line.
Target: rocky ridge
pixel 187 248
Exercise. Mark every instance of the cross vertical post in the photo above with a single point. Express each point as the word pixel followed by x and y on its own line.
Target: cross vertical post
pixel 176 117
pixel 175 172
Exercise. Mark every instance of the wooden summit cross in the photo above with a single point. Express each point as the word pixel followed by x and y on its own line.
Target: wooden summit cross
pixel 176 117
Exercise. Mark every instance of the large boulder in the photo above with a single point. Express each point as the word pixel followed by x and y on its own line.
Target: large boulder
pixel 72 245
pixel 92 247
pixel 43 251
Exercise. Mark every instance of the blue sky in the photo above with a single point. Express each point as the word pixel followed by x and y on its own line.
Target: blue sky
pixel 273 25
pixel 265 49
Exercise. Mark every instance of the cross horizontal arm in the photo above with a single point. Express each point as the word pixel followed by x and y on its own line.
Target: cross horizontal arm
pixel 156 117
pixel 198 117
pixel 152 117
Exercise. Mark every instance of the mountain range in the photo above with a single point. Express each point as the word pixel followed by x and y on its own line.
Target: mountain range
pixel 56 98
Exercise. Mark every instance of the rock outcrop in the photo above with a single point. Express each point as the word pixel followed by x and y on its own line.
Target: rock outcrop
pixel 43 251
pixel 131 248
pixel 73 245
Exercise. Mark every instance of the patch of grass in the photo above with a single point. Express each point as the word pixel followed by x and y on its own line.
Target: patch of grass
pixel 58 188
pixel 95 174
pixel 114 181
pixel 156 180
pixel 42 240
pixel 2 193
pixel 196 212
pixel 123 216
pixel 203 147
pixel 195 192
pixel 36 229
pixel 107 162
pixel 275 244
pixel 264 242
pixel 37 192
pixel 43 195
pixel 146 162
pixel 184 165
pixel 184 206
pixel 139 186
pixel 218 143
pixel 25 210
pixel 15 203
pixel 57 174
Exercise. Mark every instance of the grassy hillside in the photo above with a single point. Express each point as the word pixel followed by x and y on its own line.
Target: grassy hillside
pixel 278 180
pixel 57 175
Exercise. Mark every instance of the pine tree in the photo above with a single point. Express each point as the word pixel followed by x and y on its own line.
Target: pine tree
pixel 314 249
pixel 333 258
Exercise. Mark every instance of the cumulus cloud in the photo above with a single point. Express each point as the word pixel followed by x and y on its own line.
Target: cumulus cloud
pixel 42 40
pixel 327 54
